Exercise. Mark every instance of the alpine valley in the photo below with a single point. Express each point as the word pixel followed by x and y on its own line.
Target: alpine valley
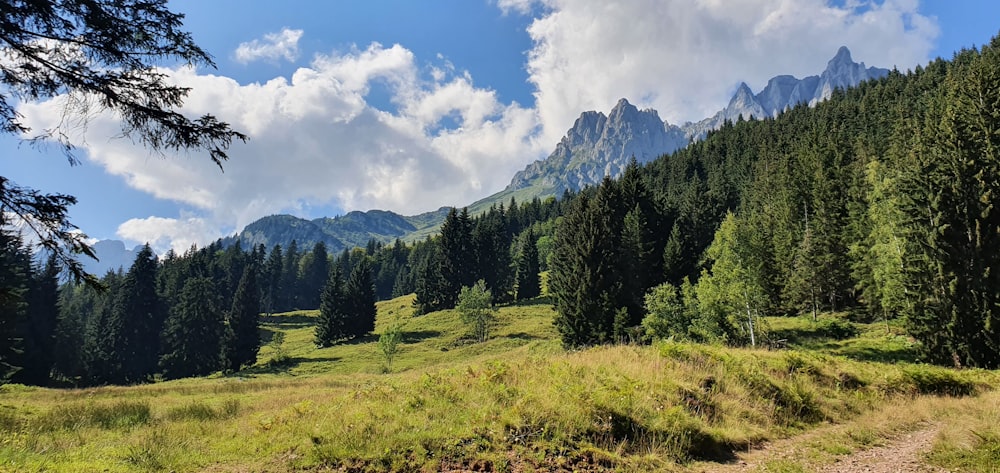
pixel 597 145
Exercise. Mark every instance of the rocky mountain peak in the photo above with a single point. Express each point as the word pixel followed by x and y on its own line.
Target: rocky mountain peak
pixel 843 57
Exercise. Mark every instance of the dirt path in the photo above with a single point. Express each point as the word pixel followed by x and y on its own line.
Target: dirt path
pixel 899 455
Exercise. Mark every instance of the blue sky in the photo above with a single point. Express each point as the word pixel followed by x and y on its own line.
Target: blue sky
pixel 409 106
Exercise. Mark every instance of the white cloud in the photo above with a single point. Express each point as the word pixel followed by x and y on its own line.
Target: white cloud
pixel 314 141
pixel 274 46
pixel 686 57
pixel 165 233
pixel 519 6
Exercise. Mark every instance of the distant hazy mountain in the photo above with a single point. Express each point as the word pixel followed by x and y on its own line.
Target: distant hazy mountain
pixel 338 233
pixel 783 92
pixel 112 255
pixel 597 145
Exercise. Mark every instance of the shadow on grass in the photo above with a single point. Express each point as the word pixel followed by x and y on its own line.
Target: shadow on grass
pixel 284 365
pixel 530 302
pixel 415 336
pixel 287 321
pixel 523 336
pixel 881 354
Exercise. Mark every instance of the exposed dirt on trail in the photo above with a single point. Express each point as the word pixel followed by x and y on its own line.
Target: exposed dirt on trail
pixel 902 454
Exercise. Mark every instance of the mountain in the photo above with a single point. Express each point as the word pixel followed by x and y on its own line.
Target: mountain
pixel 784 92
pixel 597 145
pixel 111 255
pixel 600 145
pixel 354 229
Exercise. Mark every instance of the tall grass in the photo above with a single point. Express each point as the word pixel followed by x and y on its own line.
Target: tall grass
pixel 515 402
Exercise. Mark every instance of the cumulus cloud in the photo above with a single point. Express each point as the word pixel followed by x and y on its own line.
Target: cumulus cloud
pixel 314 141
pixel 519 6
pixel 281 45
pixel 686 57
pixel 161 233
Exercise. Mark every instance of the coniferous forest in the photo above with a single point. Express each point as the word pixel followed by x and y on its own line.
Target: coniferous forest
pixel 881 202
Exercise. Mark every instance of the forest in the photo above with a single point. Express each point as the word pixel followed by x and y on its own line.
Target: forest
pixel 880 202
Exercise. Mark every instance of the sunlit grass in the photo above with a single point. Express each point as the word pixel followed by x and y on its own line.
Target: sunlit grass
pixel 453 403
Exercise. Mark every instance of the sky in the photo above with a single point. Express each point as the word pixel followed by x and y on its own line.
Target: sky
pixel 410 106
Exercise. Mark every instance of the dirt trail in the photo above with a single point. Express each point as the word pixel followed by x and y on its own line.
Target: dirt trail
pixel 899 455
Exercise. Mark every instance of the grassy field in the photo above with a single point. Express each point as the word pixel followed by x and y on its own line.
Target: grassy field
pixel 517 402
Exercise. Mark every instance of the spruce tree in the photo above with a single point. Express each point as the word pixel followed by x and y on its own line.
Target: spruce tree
pixel 458 255
pixel 192 332
pixel 288 297
pixel 582 279
pixel 528 283
pixel 102 355
pixel 429 283
pixel 142 313
pixel 332 323
pixel 315 272
pixel 43 314
pixel 272 279
pixel 14 281
pixel 359 294
pixel 241 340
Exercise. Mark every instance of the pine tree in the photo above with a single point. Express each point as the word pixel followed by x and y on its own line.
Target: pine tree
pixel 582 279
pixel 359 295
pixel 241 339
pixel 637 263
pixel 528 283
pixel 953 207
pixel 458 255
pixel 102 358
pixel 315 272
pixel 332 323
pixel 43 314
pixel 14 279
pixel 288 297
pixel 272 278
pixel 192 333
pixel 429 284
pixel 141 314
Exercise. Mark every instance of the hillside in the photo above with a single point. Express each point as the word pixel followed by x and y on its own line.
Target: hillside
pixel 516 402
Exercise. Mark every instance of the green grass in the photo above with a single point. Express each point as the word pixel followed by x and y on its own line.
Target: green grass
pixel 515 402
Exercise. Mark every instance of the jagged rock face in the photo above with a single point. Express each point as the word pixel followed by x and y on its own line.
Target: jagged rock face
pixel 599 146
pixel 784 92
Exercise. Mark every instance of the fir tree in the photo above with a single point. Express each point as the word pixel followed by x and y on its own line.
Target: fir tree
pixel 315 272
pixel 582 278
pixel 332 323
pixel 528 283
pixel 192 333
pixel 359 295
pixel 43 314
pixel 241 339
pixel 14 279
pixel 458 255
pixel 141 314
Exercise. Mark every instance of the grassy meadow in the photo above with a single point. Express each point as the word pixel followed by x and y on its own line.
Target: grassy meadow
pixel 517 402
